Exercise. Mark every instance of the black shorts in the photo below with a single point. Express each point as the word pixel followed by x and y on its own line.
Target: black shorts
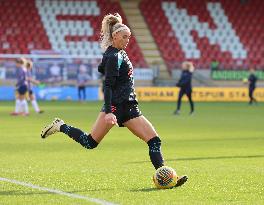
pixel 22 89
pixel 81 87
pixel 30 92
pixel 125 111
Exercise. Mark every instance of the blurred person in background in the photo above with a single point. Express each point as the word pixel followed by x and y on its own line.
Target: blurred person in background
pixel 55 72
pixel 252 80
pixel 82 79
pixel 30 80
pixel 185 85
pixel 120 102
pixel 21 105
pixel 214 65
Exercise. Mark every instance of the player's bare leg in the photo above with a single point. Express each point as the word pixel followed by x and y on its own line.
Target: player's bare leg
pixel 100 127
pixel 143 129
pixel 34 103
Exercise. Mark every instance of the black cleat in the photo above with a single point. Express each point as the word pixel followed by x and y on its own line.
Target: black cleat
pixel 181 180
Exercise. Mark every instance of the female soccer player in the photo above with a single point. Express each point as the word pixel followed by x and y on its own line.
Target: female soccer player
pixel 252 80
pixel 185 84
pixel 82 79
pixel 30 80
pixel 120 103
pixel 21 107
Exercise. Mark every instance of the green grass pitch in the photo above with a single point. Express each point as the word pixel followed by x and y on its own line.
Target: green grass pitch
pixel 220 148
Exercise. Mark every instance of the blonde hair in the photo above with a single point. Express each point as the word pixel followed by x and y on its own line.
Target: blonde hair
pixel 111 24
pixel 21 61
pixel 29 64
pixel 187 65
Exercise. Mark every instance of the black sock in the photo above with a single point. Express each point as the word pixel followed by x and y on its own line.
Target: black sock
pixel 79 136
pixel 155 152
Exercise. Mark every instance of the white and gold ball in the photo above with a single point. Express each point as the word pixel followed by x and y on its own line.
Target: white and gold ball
pixel 165 178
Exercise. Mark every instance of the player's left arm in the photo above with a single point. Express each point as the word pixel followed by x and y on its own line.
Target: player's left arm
pixel 33 80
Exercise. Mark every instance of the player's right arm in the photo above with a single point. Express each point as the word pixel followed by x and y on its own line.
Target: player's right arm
pixel 111 73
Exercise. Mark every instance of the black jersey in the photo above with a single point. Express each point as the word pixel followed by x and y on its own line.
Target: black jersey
pixel 185 81
pixel 252 81
pixel 119 80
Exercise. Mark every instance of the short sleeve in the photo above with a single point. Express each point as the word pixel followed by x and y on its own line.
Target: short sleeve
pixel 112 65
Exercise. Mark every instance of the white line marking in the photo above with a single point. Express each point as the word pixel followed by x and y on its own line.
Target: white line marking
pixel 98 201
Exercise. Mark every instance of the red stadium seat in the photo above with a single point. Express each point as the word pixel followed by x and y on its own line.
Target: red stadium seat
pixel 247 27
pixel 22 30
pixel 24 18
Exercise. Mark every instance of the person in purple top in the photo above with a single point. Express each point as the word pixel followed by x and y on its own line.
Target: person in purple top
pixel 252 80
pixel 21 107
pixel 82 79
pixel 30 80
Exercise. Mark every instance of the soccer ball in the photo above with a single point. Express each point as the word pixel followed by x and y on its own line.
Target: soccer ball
pixel 165 178
pixel 245 80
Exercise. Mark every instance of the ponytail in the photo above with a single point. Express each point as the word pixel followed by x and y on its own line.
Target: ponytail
pixel 107 29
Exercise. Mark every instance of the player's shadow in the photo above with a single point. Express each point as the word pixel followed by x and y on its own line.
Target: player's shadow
pixel 145 190
pixel 206 158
